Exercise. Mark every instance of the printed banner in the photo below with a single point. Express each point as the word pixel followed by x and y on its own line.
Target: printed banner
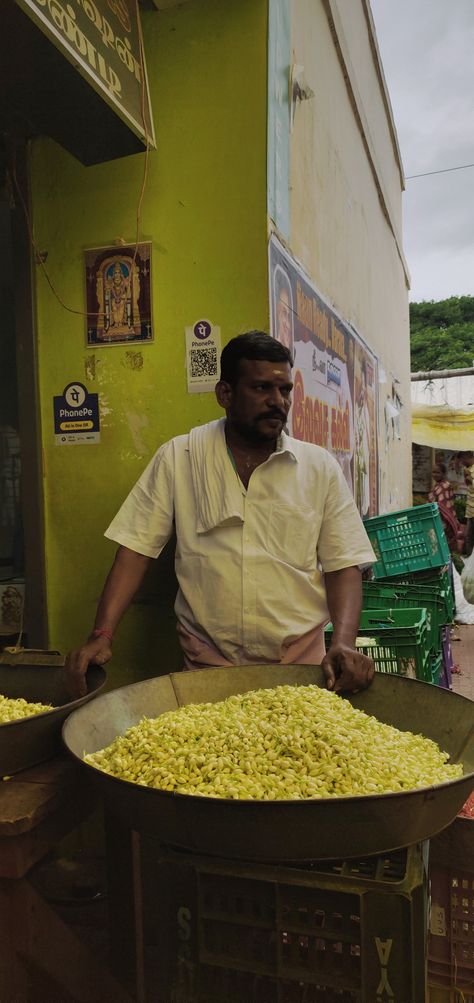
pixel 335 377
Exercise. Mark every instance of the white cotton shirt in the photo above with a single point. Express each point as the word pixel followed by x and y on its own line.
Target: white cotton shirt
pixel 255 584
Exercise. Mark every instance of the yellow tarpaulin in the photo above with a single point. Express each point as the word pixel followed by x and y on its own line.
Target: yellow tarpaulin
pixel 443 427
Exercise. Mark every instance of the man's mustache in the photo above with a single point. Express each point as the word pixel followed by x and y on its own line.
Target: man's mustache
pixel 272 414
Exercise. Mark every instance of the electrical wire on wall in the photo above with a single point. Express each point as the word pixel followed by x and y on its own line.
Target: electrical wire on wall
pixel 141 56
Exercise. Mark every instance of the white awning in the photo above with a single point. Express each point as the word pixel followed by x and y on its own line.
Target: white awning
pixel 443 413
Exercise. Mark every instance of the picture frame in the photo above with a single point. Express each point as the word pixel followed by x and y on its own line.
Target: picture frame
pixel 118 295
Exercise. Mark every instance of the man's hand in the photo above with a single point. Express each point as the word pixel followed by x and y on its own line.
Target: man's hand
pixel 344 667
pixel 124 578
pixel 347 669
pixel 96 650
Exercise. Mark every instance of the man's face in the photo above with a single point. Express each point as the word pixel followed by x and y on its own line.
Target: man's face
pixel 284 319
pixel 257 407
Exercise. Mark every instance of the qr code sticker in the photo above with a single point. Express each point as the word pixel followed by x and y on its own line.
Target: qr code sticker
pixel 204 362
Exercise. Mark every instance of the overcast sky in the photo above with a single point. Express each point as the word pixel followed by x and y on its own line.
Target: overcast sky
pixel 427 49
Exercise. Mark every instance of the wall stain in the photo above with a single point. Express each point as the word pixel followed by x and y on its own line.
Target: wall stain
pixel 133 360
pixel 90 363
pixel 135 423
pixel 104 411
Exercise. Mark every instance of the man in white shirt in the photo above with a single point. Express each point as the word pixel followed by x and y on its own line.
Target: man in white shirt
pixel 269 540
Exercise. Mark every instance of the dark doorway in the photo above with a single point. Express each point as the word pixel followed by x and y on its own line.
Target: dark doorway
pixel 21 537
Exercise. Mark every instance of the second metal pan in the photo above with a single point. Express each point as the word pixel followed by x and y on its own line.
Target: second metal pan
pixel 31 740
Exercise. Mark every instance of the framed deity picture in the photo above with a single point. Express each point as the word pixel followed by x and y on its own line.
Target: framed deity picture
pixel 118 294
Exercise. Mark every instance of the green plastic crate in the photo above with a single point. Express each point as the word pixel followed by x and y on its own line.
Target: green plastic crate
pixel 380 595
pixel 397 641
pixel 435 664
pixel 410 540
pixel 438 578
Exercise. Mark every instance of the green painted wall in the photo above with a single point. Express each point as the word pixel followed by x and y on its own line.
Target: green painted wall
pixel 204 210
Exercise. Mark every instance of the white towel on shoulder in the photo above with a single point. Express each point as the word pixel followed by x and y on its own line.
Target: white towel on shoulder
pixel 217 491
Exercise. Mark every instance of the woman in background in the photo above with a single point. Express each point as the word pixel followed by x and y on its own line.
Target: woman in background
pixel 442 493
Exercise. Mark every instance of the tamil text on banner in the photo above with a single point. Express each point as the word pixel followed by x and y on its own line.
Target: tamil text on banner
pixel 335 376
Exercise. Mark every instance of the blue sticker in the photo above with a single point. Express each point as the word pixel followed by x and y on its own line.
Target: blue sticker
pixel 76 415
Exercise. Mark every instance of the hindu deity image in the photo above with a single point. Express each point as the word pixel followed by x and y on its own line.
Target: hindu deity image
pixel 118 294
pixel 118 289
pixel 118 312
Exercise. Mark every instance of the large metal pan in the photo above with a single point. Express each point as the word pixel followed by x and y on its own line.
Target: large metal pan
pixel 282 830
pixel 31 740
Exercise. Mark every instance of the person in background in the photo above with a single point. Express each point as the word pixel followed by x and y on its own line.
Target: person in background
pixel 270 544
pixel 468 463
pixel 442 493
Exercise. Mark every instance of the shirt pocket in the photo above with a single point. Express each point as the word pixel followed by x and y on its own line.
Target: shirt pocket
pixel 292 535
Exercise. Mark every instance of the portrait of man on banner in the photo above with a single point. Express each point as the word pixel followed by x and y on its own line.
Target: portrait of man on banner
pixel 283 307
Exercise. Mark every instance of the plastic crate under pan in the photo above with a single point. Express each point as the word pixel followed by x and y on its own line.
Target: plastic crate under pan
pixel 332 933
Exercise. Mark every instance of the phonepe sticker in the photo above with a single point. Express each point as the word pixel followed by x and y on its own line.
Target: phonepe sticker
pixel 76 416
pixel 203 352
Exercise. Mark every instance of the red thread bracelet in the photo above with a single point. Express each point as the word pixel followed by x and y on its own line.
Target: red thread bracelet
pixel 100 632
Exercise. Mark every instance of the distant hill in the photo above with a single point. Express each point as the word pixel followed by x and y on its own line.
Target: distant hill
pixel 442 334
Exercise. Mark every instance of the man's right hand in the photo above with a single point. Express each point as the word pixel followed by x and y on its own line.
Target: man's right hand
pixel 96 650
pixel 124 578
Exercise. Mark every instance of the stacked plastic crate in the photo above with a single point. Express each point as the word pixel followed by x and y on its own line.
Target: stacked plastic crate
pixel 411 573
pixel 451 934
pixel 335 932
pixel 396 639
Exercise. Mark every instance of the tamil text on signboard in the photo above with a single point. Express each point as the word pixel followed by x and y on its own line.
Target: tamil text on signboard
pixel 101 38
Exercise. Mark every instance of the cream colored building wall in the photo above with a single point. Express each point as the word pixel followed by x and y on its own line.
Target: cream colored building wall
pixel 345 199
pixel 355 29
